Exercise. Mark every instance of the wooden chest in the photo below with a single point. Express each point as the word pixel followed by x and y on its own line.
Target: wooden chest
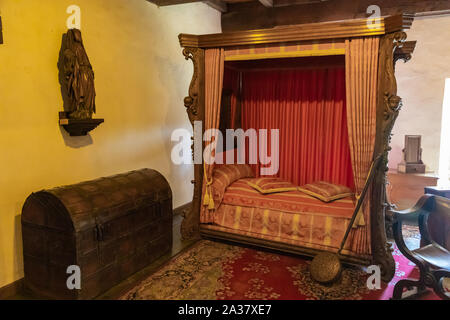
pixel 110 228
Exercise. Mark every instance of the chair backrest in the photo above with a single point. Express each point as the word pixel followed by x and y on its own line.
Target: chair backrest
pixel 439 222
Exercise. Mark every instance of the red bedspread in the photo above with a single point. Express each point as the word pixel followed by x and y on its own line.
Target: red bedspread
pixel 286 217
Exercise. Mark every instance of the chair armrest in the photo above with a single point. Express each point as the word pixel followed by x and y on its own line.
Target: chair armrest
pixel 423 206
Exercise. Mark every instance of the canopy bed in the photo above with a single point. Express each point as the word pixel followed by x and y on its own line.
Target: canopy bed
pixel 331 89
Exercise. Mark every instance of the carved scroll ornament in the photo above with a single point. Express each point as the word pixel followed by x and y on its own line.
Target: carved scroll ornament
pixel 191 101
pixel 195 111
pixel 389 104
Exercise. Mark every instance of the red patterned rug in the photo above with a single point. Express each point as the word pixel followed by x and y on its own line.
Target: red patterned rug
pixel 212 270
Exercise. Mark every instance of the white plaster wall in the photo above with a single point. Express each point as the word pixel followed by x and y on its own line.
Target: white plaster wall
pixel 421 84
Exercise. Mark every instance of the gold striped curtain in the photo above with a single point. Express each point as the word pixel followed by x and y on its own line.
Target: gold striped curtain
pixel 361 86
pixel 214 69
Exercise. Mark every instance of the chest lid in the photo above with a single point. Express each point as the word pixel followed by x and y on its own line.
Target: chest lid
pixel 85 204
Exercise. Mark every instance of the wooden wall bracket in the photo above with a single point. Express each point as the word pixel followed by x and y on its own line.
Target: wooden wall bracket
pixel 77 127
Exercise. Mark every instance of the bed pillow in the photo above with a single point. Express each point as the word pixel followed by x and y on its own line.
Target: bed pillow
pixel 326 191
pixel 225 175
pixel 267 185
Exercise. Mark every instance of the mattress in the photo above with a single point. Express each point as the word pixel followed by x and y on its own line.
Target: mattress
pixel 286 217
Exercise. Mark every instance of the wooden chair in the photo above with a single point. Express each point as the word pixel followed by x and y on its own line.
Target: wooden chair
pixel 432 259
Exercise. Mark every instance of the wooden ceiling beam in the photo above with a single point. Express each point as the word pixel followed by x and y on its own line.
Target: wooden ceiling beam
pixel 219 5
pixel 283 3
pixel 266 3
pixel 163 3
pixel 216 4
pixel 252 15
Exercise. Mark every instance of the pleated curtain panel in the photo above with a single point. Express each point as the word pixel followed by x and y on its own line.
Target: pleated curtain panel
pixel 361 82
pixel 214 70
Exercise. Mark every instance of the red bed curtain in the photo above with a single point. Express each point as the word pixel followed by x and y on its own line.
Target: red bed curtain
pixel 309 108
pixel 231 83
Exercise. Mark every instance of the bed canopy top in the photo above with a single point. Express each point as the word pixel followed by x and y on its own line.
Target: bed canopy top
pixel 313 31
pixel 371 48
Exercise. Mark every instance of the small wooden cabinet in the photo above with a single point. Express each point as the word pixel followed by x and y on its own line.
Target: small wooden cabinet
pixel 405 189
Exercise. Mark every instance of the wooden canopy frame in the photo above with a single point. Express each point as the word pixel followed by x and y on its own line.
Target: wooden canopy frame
pixel 392 48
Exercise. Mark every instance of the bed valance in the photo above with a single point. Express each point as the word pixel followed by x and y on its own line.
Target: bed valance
pixel 286 50
pixel 372 108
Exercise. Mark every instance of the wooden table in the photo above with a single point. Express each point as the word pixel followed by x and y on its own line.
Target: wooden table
pixel 405 189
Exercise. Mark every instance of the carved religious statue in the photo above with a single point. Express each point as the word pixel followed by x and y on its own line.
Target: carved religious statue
pixel 78 77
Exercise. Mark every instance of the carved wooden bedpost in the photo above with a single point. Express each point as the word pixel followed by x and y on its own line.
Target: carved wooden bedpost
pixel 194 104
pixel 388 107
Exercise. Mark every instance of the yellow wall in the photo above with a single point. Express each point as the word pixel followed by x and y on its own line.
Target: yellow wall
pixel 141 78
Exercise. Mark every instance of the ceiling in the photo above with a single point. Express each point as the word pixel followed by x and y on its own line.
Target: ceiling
pixel 222 5
pixel 261 14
